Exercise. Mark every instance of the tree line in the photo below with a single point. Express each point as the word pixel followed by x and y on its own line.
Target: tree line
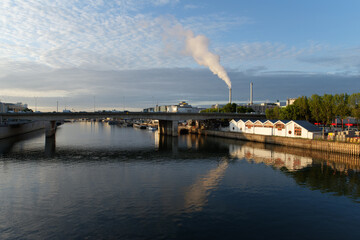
pixel 229 108
pixel 317 108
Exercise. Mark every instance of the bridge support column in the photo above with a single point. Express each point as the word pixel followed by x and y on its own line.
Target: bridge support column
pixel 174 128
pixel 162 127
pixel 50 129
pixel 167 127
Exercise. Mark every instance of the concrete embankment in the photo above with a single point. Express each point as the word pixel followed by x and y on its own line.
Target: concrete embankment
pixel 327 146
pixel 20 128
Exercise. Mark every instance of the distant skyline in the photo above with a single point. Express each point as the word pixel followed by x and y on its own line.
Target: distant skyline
pixel 126 54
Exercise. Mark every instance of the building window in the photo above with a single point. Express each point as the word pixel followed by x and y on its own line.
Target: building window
pixel 297 131
pixel 279 126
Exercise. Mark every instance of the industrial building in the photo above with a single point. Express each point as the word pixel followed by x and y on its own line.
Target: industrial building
pixel 182 107
pixel 12 107
pixel 261 108
pixel 281 128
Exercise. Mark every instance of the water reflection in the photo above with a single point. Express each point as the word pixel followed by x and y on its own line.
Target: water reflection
pixel 7 144
pixel 97 181
pixel 257 153
pixel 197 194
pixel 328 172
pixel 50 145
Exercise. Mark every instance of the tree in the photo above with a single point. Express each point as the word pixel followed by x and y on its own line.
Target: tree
pixel 243 109
pixel 228 108
pixel 28 110
pixel 315 104
pixel 209 110
pixel 273 113
pixel 327 108
pixel 290 112
pixel 304 109
pixel 354 106
pixel 341 106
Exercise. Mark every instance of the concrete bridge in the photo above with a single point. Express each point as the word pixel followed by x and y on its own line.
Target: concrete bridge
pixel 168 122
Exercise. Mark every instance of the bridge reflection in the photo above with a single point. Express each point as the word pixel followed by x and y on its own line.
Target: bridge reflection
pixel 197 194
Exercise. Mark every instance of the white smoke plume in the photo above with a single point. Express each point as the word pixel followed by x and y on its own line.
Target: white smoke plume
pixel 198 48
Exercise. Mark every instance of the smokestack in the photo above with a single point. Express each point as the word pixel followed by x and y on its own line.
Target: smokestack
pixel 229 95
pixel 251 93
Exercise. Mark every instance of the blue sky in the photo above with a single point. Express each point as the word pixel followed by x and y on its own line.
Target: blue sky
pixel 127 54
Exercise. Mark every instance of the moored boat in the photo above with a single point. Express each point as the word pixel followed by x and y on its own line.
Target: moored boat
pixel 140 126
pixel 152 128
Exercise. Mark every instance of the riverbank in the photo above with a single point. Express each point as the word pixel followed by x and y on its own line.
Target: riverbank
pixel 327 146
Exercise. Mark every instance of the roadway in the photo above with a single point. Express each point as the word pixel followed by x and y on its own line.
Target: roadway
pixel 128 115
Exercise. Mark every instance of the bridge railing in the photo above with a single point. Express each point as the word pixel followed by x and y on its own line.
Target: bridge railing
pixel 129 115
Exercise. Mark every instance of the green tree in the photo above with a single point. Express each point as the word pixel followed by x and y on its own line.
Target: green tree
pixel 273 113
pixel 209 110
pixel 243 109
pixel 328 108
pixel 341 105
pixel 354 106
pixel 304 109
pixel 315 104
pixel 229 108
pixel 290 112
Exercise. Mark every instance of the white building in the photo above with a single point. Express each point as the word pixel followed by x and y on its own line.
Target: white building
pixel 281 128
pixel 290 101
pixel 12 107
pixel 183 107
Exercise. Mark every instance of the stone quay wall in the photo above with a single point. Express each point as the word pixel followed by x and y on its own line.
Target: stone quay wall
pixel 321 145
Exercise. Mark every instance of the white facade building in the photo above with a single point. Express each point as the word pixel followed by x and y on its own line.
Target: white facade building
pixel 281 128
pixel 183 107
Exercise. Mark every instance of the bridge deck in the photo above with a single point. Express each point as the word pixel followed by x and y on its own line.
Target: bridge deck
pixel 129 115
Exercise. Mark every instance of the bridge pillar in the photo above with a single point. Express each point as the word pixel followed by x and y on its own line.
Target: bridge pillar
pixel 167 127
pixel 174 128
pixel 50 129
pixel 162 127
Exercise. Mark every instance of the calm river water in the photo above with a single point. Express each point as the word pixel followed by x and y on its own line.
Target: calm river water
pixel 105 182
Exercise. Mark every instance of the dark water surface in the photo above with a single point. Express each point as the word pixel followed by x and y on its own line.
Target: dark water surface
pixel 105 182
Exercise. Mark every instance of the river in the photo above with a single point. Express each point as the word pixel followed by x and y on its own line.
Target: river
pixel 96 181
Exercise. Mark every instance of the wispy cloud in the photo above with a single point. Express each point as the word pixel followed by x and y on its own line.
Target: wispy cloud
pixel 110 48
pixel 340 60
pixel 88 34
